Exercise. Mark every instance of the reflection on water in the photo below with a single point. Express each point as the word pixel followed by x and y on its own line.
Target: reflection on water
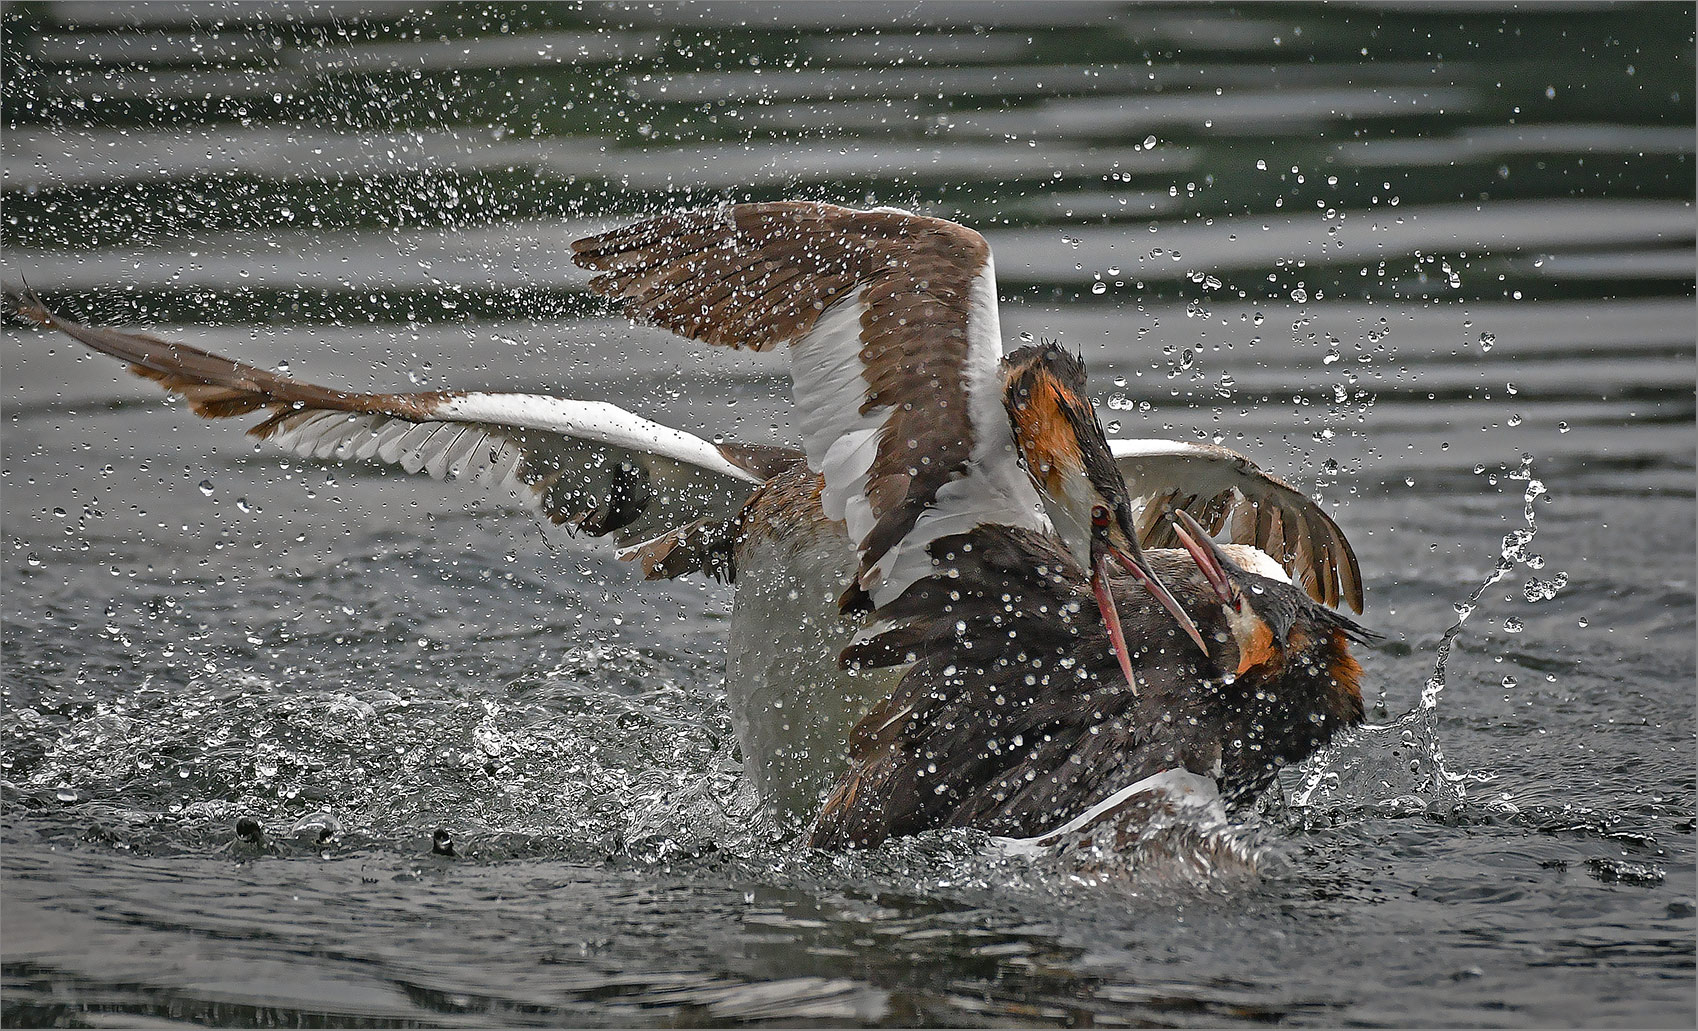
pixel 1391 251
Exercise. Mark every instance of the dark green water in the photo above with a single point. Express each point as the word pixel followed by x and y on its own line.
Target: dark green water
pixel 1389 250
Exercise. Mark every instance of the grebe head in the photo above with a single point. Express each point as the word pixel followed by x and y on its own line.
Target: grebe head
pixel 1267 616
pixel 1068 456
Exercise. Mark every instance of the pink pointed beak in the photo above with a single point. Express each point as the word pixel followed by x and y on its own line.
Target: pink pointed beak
pixel 1111 617
pixel 1138 567
pixel 1202 550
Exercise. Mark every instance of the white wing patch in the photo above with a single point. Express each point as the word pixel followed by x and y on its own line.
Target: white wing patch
pixel 444 450
pixel 591 420
pixel 840 441
pixel 563 459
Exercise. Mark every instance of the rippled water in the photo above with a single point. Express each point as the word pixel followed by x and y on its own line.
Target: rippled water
pixel 1424 261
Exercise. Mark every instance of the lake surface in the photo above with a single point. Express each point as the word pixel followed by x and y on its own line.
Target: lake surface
pixel 1433 263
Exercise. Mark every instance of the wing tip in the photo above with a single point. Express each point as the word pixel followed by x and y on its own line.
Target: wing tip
pixel 24 303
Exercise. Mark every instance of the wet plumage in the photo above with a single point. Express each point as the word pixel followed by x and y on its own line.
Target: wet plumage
pixel 1013 720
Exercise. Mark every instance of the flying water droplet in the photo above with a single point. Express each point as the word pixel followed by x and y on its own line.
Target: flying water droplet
pixel 1536 590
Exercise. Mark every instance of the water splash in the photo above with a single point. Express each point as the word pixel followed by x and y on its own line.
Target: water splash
pixel 605 754
pixel 1399 769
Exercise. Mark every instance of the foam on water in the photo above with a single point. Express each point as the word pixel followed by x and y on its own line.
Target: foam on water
pixel 552 763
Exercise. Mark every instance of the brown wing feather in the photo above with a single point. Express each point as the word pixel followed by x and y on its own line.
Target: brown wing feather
pixel 757 275
pixel 1221 488
pixel 586 485
pixel 218 387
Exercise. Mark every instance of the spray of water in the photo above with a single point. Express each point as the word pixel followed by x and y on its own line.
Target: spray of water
pixel 1399 768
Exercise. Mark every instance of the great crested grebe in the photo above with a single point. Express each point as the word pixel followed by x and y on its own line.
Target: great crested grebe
pixel 878 307
pixel 1007 718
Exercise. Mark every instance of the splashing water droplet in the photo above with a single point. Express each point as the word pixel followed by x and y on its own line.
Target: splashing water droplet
pixel 1537 590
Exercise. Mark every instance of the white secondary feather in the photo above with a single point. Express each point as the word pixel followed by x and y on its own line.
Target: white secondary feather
pixel 1152 467
pixel 555 456
pixel 839 440
pixel 444 450
pixel 1132 448
pixel 595 421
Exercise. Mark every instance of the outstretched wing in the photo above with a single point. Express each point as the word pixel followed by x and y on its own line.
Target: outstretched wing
pixel 587 465
pixel 1222 488
pixel 891 322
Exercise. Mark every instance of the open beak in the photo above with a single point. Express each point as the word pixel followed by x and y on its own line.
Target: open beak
pixel 1139 567
pixel 1202 550
pixel 1111 615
